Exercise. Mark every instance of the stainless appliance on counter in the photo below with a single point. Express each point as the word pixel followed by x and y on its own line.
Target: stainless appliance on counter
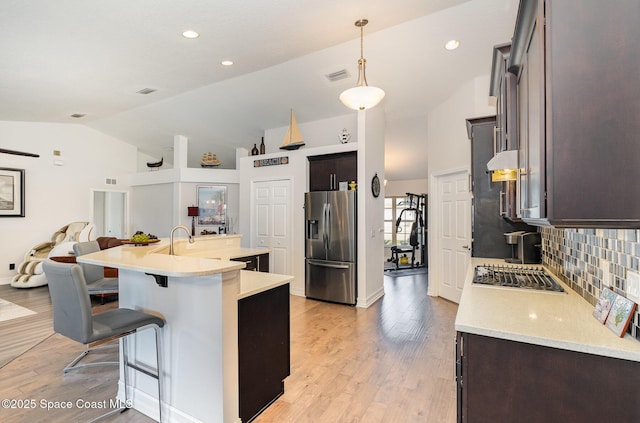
pixel 330 246
pixel 525 247
pixel 512 239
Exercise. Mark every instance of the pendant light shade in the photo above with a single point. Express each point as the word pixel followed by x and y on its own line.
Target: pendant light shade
pixel 362 96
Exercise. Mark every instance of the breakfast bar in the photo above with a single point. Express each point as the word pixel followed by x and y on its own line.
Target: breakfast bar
pixel 199 301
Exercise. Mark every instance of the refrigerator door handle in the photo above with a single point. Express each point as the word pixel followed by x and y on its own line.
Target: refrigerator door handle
pixel 324 228
pixel 330 265
pixel 328 230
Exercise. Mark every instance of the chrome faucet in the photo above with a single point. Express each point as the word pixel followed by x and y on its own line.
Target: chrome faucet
pixel 187 230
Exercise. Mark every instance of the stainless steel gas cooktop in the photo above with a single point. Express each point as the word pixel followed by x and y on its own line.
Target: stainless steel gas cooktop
pixel 528 277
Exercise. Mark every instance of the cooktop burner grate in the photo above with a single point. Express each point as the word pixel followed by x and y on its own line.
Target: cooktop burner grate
pixel 529 277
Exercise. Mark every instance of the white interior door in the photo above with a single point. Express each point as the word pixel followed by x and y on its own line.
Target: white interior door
pixel 110 213
pixel 454 233
pixel 271 226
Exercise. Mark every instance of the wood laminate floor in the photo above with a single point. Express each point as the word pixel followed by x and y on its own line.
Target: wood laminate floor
pixel 392 362
pixel 18 335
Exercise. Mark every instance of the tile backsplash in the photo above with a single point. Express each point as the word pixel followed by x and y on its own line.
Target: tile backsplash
pixel 589 259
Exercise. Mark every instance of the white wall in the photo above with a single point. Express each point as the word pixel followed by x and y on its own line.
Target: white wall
pixel 152 209
pixel 57 195
pixel 160 198
pixel 401 188
pixel 448 144
pixel 318 133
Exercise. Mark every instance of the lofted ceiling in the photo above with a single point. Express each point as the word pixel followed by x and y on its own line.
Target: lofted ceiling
pixel 92 57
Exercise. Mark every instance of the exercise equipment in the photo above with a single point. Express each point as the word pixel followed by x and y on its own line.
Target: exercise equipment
pixel 416 204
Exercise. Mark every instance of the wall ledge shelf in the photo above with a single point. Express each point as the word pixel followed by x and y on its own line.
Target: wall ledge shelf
pixel 198 175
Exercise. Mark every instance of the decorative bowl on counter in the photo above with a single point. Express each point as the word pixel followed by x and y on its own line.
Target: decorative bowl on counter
pixel 141 243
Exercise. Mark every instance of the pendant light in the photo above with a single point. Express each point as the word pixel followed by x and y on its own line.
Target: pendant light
pixel 362 96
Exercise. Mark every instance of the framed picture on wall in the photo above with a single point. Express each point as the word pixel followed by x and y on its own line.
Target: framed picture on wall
pixel 212 205
pixel 11 192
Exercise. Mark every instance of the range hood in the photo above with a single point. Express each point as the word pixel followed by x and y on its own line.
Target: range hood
pixel 503 166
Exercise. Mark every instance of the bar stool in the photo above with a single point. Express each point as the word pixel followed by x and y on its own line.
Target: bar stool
pixel 97 284
pixel 72 318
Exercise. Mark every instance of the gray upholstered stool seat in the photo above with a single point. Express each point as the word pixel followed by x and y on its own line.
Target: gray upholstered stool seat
pixel 94 274
pixel 72 317
pixel 119 321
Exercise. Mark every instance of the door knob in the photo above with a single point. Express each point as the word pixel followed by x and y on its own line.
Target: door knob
pixel 466 247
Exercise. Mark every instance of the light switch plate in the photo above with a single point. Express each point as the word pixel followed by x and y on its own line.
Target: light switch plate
pixel 633 286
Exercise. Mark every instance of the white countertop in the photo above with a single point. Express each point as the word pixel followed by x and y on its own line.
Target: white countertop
pixel 148 259
pixel 559 320
pixel 252 283
pixel 145 259
pixel 226 253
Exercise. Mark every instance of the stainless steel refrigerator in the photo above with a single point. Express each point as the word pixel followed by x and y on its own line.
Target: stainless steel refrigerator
pixel 330 246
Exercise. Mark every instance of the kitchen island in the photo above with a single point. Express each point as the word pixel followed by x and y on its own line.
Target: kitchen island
pixel 198 298
pixel 526 355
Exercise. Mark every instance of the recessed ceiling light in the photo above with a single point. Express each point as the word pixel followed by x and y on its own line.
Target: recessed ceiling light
pixel 190 34
pixel 226 62
pixel 452 44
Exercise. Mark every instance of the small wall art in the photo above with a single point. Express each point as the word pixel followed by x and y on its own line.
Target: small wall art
pixel 604 304
pixel 212 205
pixel 620 315
pixel 11 192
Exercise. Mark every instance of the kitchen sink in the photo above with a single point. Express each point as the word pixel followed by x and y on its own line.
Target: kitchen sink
pixel 526 277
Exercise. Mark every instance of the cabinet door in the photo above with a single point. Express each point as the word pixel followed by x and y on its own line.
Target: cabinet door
pixel 263 263
pixel 509 113
pixel 251 262
pixel 506 137
pixel 263 349
pixel 531 142
pixel 320 175
pixel 325 172
pixel 522 182
pixel 508 381
pixel 347 168
pixel 498 134
pixel 535 127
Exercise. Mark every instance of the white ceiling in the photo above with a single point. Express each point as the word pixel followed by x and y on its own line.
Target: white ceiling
pixel 77 56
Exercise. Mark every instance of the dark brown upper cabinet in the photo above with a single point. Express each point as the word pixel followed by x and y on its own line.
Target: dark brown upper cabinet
pixel 577 63
pixel 503 87
pixel 327 171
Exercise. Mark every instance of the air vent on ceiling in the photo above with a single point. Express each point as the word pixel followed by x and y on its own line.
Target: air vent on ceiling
pixel 147 91
pixel 78 115
pixel 338 75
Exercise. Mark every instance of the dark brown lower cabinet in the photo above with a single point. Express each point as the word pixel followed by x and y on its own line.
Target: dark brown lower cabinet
pixel 263 349
pixel 508 381
pixel 259 262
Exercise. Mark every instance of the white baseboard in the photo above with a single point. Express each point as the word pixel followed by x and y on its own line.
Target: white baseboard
pixel 5 281
pixel 371 299
pixel 148 405
pixel 298 292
